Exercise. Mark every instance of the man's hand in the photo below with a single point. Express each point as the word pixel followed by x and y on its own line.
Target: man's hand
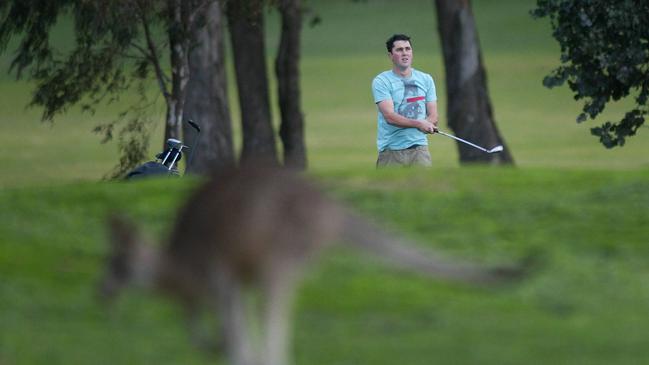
pixel 427 127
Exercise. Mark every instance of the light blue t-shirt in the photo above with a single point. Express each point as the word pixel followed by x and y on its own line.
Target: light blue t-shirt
pixel 409 96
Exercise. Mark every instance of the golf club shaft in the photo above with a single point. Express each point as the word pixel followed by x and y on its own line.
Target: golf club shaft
pixel 195 144
pixel 462 140
pixel 194 125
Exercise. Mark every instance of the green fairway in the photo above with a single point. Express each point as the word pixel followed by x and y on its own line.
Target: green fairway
pixel 582 209
pixel 585 304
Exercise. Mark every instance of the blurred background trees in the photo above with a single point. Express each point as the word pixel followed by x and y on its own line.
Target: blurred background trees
pixel 123 44
pixel 117 46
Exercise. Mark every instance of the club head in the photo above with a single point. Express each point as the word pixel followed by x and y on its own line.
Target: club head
pixel 496 149
pixel 194 125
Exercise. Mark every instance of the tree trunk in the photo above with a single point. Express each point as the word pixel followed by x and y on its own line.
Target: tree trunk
pixel 288 81
pixel 245 20
pixel 179 47
pixel 469 108
pixel 207 99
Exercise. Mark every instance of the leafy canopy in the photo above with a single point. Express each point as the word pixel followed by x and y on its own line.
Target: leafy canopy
pixel 112 51
pixel 106 44
pixel 604 57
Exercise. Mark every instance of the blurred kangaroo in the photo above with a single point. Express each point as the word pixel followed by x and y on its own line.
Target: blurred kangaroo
pixel 255 228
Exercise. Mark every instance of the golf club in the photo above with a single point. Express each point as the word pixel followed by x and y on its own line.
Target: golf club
pixel 498 148
pixel 196 139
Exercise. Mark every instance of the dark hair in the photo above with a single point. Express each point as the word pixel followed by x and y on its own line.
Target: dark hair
pixel 396 37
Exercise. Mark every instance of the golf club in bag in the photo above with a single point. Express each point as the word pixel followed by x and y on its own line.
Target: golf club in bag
pixel 498 148
pixel 166 163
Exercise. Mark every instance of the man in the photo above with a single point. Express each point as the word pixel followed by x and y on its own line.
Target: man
pixel 407 108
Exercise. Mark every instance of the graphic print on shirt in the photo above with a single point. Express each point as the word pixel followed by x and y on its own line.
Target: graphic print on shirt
pixel 410 106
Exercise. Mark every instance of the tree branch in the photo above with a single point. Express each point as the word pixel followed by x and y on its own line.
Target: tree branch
pixel 153 54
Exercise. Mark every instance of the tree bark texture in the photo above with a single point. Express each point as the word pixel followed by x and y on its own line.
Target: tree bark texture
pixel 207 99
pixel 288 81
pixel 179 19
pixel 245 21
pixel 470 115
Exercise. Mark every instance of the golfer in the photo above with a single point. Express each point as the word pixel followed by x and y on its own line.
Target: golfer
pixel 407 108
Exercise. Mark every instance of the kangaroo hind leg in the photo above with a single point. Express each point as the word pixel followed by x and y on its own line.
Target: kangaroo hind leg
pixel 278 291
pixel 236 324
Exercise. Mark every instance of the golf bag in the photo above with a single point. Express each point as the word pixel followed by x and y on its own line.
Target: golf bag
pixel 166 163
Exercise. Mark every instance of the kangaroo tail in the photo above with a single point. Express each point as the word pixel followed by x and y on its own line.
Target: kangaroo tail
pixel 363 234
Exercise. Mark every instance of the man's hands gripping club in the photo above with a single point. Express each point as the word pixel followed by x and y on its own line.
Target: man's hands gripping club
pixel 428 125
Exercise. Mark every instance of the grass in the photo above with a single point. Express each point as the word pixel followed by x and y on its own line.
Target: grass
pixel 585 305
pixel 583 208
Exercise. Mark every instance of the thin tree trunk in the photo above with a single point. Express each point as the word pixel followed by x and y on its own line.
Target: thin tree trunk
pixel 179 47
pixel 245 21
pixel 151 52
pixel 288 80
pixel 469 108
pixel 207 99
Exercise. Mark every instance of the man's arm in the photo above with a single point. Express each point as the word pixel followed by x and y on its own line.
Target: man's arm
pixel 431 113
pixel 386 107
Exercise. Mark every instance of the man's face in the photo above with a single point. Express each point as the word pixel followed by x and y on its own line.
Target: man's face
pixel 401 54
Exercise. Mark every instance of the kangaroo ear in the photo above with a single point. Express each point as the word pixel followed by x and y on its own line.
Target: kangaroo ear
pixel 122 231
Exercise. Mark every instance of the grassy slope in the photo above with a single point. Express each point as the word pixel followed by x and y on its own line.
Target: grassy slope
pixel 586 305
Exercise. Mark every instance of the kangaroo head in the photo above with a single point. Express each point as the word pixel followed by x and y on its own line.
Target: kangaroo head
pixel 132 260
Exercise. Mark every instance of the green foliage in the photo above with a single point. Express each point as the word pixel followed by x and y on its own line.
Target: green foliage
pixel 95 67
pixel 133 142
pixel 605 57
pixel 33 19
pixel 106 60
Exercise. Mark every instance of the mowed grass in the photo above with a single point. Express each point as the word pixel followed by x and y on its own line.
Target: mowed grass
pixel 584 304
pixel 582 209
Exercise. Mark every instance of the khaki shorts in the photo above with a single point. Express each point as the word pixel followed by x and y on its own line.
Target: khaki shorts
pixel 413 156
